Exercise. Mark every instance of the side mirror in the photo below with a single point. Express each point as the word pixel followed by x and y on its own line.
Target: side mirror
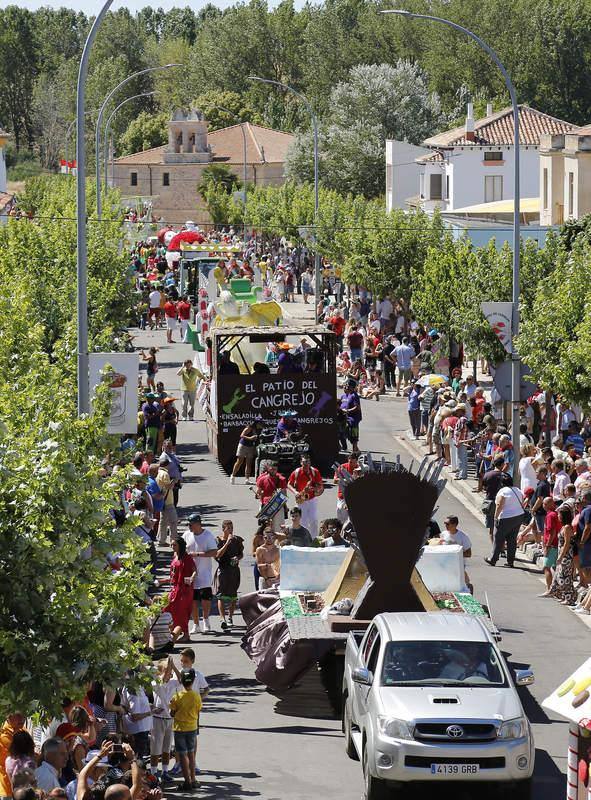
pixel 363 676
pixel 524 677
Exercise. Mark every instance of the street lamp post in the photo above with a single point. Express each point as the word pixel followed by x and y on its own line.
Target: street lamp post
pixel 515 360
pixel 243 132
pixel 305 101
pixel 81 243
pixel 108 125
pixel 100 120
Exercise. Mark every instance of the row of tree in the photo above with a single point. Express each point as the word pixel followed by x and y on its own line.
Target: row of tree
pixel 545 48
pixel 413 255
pixel 64 618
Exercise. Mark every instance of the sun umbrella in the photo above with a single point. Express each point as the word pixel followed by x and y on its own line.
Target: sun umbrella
pixel 162 233
pixel 432 380
pixel 185 236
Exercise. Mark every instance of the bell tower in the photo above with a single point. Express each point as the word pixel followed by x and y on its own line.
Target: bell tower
pixel 187 138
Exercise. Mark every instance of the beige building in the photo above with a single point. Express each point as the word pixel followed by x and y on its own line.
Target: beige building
pixel 565 176
pixel 169 175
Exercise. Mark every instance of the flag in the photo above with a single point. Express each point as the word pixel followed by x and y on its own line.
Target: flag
pixel 63 166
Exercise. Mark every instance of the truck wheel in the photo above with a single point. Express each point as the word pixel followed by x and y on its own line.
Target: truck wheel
pixel 349 746
pixel 373 788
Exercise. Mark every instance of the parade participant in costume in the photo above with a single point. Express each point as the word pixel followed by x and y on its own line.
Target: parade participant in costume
pixel 287 425
pixel 305 483
pixel 267 485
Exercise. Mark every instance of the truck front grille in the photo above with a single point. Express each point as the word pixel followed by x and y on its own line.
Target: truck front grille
pixel 455 732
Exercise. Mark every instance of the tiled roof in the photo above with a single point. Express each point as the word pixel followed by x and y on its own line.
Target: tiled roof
pixel 585 130
pixel 263 145
pixel 497 129
pixel 429 158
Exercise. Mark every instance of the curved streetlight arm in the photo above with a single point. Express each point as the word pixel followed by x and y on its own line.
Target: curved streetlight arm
pixel 108 125
pixel 81 243
pixel 100 120
pixel 515 360
pixel 306 102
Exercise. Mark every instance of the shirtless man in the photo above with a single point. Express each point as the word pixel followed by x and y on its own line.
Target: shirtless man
pixel 268 560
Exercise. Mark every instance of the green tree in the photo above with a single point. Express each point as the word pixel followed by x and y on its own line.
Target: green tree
pixel 375 103
pixel 145 131
pixel 19 62
pixel 211 103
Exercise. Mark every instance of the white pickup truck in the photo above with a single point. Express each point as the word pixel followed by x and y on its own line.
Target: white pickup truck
pixel 428 697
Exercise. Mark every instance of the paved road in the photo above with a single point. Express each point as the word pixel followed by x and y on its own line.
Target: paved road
pixel 256 745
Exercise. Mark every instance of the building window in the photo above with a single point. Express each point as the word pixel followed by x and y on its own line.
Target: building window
pixel 435 185
pixel 493 188
pixel 133 178
pixel 545 188
pixel 571 194
pixel 166 178
pixel 493 156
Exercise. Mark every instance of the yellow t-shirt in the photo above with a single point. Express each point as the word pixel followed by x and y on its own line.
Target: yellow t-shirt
pixel 185 707
pixel 189 379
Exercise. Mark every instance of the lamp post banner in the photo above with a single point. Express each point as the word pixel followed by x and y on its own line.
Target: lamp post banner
pixel 499 317
pixel 121 371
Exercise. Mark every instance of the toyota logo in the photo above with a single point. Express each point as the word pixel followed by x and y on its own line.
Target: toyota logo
pixel 454 732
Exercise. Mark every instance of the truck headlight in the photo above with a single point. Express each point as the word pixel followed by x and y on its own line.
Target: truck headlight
pixel 394 728
pixel 513 729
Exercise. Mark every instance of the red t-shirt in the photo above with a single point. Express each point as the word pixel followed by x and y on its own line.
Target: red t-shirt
pixel 268 484
pixel 184 310
pixel 338 325
pixel 170 309
pixel 478 409
pixel 551 529
pixel 346 467
pixel 300 479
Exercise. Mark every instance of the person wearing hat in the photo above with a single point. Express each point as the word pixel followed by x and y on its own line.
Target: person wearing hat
pixel 170 419
pixel 203 546
pixel 287 425
pixel 168 516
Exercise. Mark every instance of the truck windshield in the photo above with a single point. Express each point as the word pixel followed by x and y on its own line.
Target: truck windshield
pixel 442 664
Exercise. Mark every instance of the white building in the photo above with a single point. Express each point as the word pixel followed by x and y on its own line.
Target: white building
pixel 474 164
pixel 402 173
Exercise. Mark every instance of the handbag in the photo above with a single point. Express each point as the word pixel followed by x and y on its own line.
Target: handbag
pixel 486 506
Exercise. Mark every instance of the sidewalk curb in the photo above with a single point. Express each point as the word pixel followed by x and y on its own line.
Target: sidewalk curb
pixel 467 502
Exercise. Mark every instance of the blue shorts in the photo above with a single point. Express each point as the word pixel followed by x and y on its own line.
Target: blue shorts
pixel 185 741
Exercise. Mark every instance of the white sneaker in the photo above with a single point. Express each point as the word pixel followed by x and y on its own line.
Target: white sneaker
pixel 193 628
pixel 206 626
pixel 232 479
pixel 582 611
pixel 248 482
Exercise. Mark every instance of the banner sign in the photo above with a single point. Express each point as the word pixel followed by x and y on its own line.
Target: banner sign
pixel 499 317
pixel 121 370
pixel 243 398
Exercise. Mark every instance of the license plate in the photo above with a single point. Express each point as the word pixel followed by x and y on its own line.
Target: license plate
pixel 455 769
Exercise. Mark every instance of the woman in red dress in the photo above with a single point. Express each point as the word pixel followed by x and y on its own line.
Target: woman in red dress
pixel 182 574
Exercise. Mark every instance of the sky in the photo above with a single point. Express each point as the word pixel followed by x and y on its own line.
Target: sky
pixel 92 6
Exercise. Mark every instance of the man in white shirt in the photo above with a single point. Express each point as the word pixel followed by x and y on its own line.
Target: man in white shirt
pixel 561 480
pixel 583 474
pixel 508 518
pixel 54 755
pixel 154 299
pixel 202 545
pixel 384 308
pixel 453 535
